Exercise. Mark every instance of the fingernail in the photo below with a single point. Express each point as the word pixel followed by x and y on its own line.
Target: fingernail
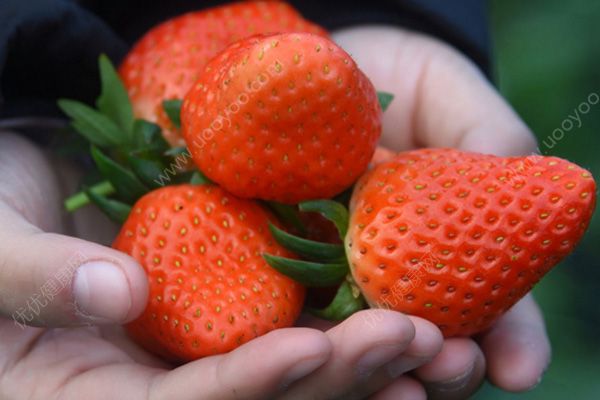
pixel 300 370
pixel 375 358
pixel 101 292
pixel 404 364
pixel 455 383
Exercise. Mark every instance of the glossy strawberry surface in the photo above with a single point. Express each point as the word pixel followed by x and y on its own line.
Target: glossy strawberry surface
pixel 458 238
pixel 286 117
pixel 210 289
pixel 165 62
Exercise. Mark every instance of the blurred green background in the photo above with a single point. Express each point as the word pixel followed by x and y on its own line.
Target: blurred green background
pixel 548 64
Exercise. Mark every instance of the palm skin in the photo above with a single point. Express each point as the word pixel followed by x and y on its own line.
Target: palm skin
pixel 441 100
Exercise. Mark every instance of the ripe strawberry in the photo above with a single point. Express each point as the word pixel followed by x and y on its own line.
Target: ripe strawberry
pixel 210 290
pixel 321 229
pixel 453 237
pixel 458 238
pixel 286 117
pixel 165 62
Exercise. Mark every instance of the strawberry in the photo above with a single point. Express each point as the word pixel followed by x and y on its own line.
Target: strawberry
pixel 320 228
pixel 165 62
pixel 286 117
pixel 454 237
pixel 210 290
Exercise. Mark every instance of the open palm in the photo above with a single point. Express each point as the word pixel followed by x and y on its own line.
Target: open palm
pixel 441 100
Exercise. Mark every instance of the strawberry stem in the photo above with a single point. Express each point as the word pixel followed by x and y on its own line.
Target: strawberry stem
pixel 81 199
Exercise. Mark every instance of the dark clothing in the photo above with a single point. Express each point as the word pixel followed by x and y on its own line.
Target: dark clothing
pixel 49 48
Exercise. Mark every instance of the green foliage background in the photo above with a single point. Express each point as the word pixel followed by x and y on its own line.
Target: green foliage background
pixel 548 63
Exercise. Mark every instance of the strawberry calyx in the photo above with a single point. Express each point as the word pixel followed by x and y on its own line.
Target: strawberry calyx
pixel 131 155
pixel 321 264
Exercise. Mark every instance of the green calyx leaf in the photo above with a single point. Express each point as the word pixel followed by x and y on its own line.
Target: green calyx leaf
pixel 126 184
pixel 173 110
pixel 147 170
pixel 309 249
pixel 288 215
pixel 308 273
pixel 331 210
pixel 346 302
pixel 115 210
pixel 147 135
pixel 198 178
pixel 114 101
pixel 385 99
pixel 95 126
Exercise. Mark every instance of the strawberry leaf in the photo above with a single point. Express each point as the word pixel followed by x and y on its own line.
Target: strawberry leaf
pixel 385 99
pixel 308 248
pixel 115 210
pixel 96 127
pixel 288 215
pixel 127 185
pixel 331 210
pixel 146 134
pixel 114 101
pixel 345 303
pixel 308 273
pixel 147 170
pixel 173 110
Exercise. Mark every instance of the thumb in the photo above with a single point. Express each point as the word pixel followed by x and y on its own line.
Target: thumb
pixel 48 279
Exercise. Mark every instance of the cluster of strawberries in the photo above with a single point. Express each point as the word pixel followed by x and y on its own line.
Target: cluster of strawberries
pixel 281 126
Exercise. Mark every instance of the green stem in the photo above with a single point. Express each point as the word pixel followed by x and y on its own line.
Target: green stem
pixel 81 199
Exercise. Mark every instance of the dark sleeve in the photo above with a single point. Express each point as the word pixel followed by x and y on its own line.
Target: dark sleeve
pixel 49 48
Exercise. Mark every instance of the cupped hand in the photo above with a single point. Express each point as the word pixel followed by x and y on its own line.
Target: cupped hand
pixel 76 293
pixel 444 100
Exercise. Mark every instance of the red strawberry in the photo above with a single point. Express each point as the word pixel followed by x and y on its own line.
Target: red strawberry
pixel 165 62
pixel 321 229
pixel 458 238
pixel 286 117
pixel 210 289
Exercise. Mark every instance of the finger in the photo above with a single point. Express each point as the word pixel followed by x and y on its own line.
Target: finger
pixel 49 279
pixel 370 350
pixel 403 388
pixel 257 370
pixel 517 348
pixel 456 372
pixel 441 98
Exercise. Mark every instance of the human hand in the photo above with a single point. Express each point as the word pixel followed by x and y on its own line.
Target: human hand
pixel 443 100
pixel 94 359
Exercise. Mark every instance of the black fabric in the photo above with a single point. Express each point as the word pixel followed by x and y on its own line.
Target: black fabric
pixel 49 48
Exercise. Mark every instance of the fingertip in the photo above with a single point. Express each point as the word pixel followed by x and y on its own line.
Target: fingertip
pixel 403 388
pixel 108 287
pixel 428 339
pixel 388 324
pixel 138 287
pixel 456 357
pixel 456 372
pixel 516 359
pixel 517 348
